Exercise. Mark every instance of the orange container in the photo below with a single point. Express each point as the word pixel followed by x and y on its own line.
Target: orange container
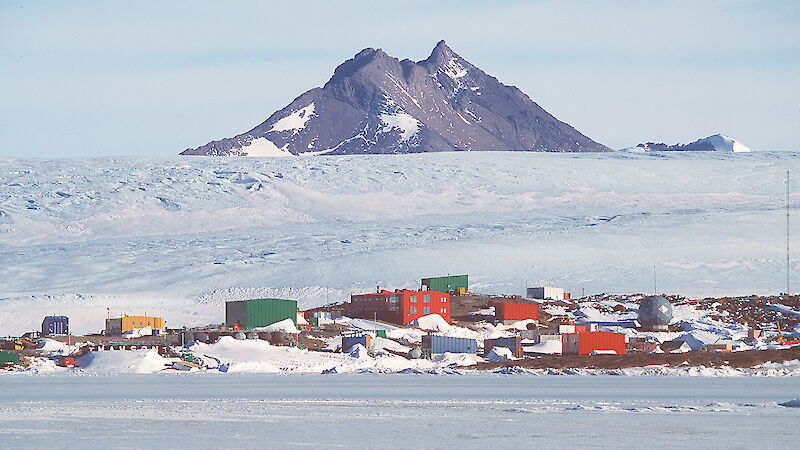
pixel 516 311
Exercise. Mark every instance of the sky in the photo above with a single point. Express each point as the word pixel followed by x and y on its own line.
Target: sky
pixel 95 78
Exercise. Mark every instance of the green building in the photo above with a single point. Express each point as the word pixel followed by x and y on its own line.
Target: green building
pixel 261 312
pixel 8 358
pixel 454 284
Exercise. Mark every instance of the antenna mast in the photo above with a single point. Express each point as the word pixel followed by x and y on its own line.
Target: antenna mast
pixel 787 234
pixel 655 291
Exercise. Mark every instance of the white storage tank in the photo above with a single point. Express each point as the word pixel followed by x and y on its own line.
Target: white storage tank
pixel 545 292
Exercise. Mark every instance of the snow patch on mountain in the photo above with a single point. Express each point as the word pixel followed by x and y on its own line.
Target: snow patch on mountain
pixel 454 70
pixel 406 123
pixel 295 121
pixel 265 147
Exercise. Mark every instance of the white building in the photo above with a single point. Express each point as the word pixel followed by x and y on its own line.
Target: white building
pixel 545 292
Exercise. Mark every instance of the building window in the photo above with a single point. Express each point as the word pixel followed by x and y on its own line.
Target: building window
pixel 444 299
pixel 413 310
pixel 413 299
pixel 426 298
pixel 395 299
pixel 426 310
pixel 443 311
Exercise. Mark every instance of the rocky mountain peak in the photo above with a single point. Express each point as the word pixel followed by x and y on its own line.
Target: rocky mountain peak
pixel 441 52
pixel 375 103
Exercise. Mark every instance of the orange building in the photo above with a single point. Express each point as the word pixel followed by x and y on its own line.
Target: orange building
pixel 127 323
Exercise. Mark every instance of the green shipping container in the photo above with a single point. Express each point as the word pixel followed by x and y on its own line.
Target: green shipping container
pixel 447 284
pixel 256 313
pixel 380 333
pixel 8 358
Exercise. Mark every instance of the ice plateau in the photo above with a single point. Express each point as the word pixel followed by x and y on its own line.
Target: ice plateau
pixel 180 236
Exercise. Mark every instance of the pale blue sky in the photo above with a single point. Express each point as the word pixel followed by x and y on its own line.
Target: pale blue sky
pixel 95 78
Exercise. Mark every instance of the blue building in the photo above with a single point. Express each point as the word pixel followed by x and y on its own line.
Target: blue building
pixel 55 325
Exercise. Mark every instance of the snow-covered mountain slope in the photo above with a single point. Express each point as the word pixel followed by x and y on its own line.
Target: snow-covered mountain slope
pixel 374 103
pixel 715 143
pixel 182 235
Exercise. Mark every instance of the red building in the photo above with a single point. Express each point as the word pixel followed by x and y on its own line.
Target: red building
pixel 588 342
pixel 515 311
pixel 400 306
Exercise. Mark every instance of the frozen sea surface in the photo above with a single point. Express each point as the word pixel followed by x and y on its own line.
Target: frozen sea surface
pixel 179 236
pixel 395 411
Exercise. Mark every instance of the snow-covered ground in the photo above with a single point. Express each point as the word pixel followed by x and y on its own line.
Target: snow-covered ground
pixel 179 236
pixel 392 411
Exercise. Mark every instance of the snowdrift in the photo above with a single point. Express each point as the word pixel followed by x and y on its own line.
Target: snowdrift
pixel 123 361
pixel 286 326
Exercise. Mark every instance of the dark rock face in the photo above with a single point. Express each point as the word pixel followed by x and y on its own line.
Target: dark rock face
pixel 717 142
pixel 374 103
pixel 698 146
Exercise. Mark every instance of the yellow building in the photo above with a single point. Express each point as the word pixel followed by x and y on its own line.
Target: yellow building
pixel 719 347
pixel 127 323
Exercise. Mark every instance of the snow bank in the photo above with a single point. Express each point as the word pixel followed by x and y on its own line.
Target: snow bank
pixel 42 366
pixel 286 326
pixel 53 347
pixel 232 355
pixel 546 348
pixel 457 359
pixel 490 331
pixel 433 322
pixel 138 332
pixel 603 352
pixel 379 344
pixel 497 354
pixel 123 361
pixel 358 351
